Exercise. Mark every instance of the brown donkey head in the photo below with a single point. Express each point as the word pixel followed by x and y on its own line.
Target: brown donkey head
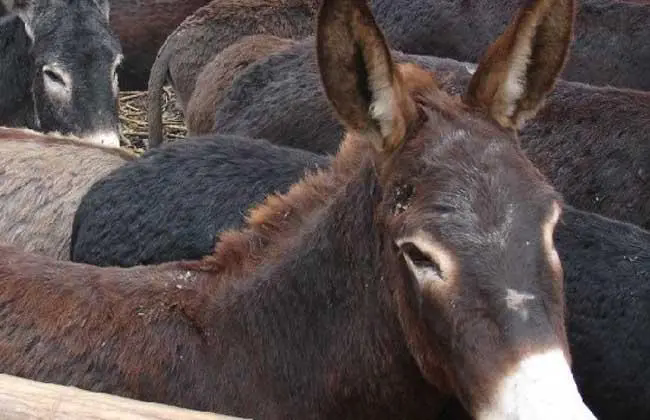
pixel 469 222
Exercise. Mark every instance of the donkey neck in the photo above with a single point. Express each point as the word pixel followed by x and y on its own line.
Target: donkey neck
pixel 315 331
pixel 280 216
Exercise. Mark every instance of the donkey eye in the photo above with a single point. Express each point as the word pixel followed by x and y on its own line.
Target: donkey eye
pixel 118 64
pixel 53 76
pixel 421 262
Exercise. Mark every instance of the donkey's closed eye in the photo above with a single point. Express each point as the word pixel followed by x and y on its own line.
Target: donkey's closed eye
pixel 422 265
pixel 53 76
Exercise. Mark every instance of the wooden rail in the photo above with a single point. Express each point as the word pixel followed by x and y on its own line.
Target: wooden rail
pixel 23 399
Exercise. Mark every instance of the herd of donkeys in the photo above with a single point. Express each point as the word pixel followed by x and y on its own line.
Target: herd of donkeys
pixel 399 209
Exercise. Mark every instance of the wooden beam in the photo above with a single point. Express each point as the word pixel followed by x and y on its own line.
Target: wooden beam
pixel 23 399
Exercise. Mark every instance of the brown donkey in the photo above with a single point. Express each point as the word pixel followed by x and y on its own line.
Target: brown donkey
pixel 217 76
pixel 419 267
pixel 207 32
pixel 142 27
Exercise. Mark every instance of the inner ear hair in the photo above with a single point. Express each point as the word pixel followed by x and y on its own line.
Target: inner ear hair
pixel 521 67
pixel 359 76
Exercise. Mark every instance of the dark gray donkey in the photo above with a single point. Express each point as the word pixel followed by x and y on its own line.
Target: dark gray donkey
pixel 58 71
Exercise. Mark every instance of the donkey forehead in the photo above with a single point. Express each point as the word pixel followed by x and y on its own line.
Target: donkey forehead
pixel 476 153
pixel 74 27
pixel 75 52
pixel 478 179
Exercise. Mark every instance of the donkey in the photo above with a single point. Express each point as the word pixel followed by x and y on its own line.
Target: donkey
pixel 208 31
pixel 67 74
pixel 607 285
pixel 607 277
pixel 142 27
pixel 610 45
pixel 172 203
pixel 606 263
pixel 372 289
pixel 42 181
pixel 217 76
pixel 592 142
pixel 14 50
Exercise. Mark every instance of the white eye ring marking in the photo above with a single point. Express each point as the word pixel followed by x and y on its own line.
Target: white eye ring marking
pixel 427 275
pixel 57 82
pixel 114 78
pixel 547 237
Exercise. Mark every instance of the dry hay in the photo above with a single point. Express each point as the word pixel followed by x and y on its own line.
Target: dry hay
pixel 133 118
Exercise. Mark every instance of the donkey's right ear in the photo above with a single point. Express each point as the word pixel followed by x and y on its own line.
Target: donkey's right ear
pixel 359 76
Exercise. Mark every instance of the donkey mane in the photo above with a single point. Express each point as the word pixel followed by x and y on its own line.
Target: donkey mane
pixel 280 215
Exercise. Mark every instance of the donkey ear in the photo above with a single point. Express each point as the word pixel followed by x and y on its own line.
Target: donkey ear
pixel 24 9
pixel 359 76
pixel 104 7
pixel 7 5
pixel 521 67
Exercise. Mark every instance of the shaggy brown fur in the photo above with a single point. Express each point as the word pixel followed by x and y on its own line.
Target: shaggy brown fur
pixel 211 29
pixel 591 142
pixel 42 181
pixel 609 47
pixel 334 322
pixel 217 76
pixel 240 251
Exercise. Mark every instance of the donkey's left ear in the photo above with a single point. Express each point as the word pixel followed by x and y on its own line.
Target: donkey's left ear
pixel 521 67
pixel 24 9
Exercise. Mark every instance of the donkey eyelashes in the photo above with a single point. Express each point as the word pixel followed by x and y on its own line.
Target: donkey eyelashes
pixel 429 261
pixel 54 76
pixel 420 260
pixel 422 266
pixel 57 82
